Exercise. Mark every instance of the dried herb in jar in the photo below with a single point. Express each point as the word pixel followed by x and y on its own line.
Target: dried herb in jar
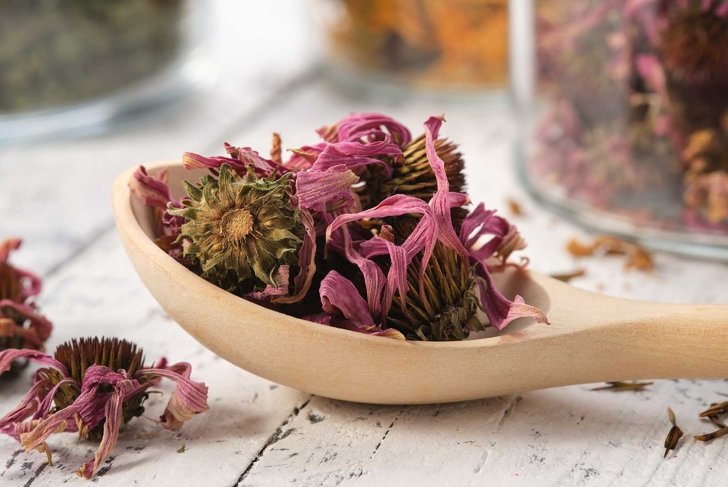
pixel 61 53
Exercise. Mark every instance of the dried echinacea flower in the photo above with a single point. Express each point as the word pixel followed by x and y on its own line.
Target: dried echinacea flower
pixel 93 387
pixel 441 303
pixel 21 326
pixel 673 437
pixel 242 231
pixel 390 268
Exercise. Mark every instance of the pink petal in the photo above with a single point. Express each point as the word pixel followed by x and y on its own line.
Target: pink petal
pixel 60 422
pixel 354 155
pixel 38 327
pixel 374 280
pixel 113 415
pixel 305 156
pixel 481 223
pixel 316 189
pixel 29 405
pixel 340 296
pixel 153 191
pixel 188 399
pixel 90 404
pixel 261 165
pixel 368 125
pixel 31 284
pixel 441 201
pixel 499 309
pixel 7 357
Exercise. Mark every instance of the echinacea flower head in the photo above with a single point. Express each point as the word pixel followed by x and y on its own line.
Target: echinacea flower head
pixel 94 387
pixel 241 230
pixel 413 175
pixel 441 303
pixel 78 355
pixel 21 326
pixel 425 257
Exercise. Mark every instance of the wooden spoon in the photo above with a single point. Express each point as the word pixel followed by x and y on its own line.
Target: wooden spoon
pixel 591 338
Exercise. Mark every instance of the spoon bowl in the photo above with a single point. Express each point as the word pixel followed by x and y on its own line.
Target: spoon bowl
pixel 590 338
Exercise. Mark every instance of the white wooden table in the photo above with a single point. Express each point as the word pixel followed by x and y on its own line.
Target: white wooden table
pixel 56 195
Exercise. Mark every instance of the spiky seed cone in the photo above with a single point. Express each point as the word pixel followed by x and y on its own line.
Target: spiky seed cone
pixel 79 355
pixel 448 306
pixel 240 229
pixel 414 176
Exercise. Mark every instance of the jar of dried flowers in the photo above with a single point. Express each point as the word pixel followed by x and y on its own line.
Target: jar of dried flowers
pixel 628 116
pixel 455 45
pixel 77 63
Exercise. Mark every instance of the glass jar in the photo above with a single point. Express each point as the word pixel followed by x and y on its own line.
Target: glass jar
pixel 434 44
pixel 626 116
pixel 74 64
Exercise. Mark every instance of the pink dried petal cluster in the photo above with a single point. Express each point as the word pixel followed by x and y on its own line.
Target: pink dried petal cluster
pixel 102 395
pixel 326 174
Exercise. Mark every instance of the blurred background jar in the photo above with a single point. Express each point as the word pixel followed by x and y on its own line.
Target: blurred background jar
pixel 69 65
pixel 625 106
pixel 450 45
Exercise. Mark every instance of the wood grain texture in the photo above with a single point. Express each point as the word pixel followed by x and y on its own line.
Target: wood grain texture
pixel 258 434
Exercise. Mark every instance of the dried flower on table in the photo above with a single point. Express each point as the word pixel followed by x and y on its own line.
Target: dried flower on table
pixel 94 387
pixel 673 437
pixel 619 386
pixel 21 325
pixel 637 256
pixel 366 230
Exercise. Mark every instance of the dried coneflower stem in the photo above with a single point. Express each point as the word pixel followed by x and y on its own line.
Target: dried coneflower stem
pixel 618 386
pixel 276 150
pixel 715 409
pixel 568 276
pixel 673 437
pixel 713 415
pixel 713 435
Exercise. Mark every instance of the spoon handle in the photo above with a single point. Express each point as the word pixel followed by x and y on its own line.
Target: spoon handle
pixel 657 340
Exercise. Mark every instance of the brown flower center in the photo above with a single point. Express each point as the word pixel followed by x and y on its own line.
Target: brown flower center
pixel 237 224
pixel 9 283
